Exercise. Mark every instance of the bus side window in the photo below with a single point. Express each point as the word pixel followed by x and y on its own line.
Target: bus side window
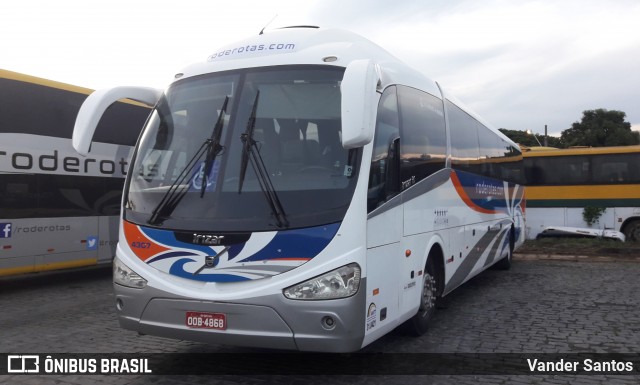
pixel 383 177
pixel 465 149
pixel 18 196
pixel 613 168
pixel 493 156
pixel 424 142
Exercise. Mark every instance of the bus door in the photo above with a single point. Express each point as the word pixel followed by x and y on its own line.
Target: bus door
pixel 384 225
pixel 384 265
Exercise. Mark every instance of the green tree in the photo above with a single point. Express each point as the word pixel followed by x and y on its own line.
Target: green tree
pixel 522 138
pixel 600 128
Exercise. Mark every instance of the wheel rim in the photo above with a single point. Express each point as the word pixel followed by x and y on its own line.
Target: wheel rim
pixel 428 298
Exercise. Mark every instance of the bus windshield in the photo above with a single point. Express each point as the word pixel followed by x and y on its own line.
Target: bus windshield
pixel 220 150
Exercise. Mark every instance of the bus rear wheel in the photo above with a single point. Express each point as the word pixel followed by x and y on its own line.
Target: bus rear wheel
pixel 418 324
pixel 632 231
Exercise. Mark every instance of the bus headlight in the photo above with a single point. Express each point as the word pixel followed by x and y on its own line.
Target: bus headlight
pixel 123 275
pixel 339 283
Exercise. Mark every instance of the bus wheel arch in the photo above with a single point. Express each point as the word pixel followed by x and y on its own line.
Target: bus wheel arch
pixel 631 229
pixel 436 256
pixel 505 263
pixel 432 287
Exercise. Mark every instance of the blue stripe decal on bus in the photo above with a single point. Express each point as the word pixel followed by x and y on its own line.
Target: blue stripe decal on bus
pixel 485 193
pixel 177 269
pixel 296 244
pixel 171 254
pixel 274 252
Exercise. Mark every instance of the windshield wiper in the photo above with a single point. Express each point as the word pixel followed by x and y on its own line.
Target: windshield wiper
pixel 212 147
pixel 250 152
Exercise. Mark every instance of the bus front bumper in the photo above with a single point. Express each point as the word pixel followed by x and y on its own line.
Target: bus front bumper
pixel 271 321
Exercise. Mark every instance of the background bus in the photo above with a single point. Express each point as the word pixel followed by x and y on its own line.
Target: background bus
pixel 57 209
pixel 562 182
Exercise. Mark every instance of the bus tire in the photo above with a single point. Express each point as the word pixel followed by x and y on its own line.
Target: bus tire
pixel 632 231
pixel 505 263
pixel 418 324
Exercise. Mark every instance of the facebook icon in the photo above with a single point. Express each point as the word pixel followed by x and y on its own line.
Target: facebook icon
pixel 5 230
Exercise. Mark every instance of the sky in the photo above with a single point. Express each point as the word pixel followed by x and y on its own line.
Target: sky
pixel 520 64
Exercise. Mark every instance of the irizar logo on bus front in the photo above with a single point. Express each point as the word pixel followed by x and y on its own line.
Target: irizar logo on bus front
pixel 209 240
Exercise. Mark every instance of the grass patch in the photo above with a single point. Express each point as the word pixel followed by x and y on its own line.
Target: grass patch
pixel 580 246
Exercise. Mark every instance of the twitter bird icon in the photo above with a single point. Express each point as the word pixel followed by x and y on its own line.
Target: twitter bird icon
pixel 92 242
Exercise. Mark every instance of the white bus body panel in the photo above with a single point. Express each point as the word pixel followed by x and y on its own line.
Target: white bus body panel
pixel 538 218
pixel 41 244
pixel 433 214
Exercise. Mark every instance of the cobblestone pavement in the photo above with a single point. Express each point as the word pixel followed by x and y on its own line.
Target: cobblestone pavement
pixel 539 306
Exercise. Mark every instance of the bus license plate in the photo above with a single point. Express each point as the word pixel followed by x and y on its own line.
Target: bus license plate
pixel 200 320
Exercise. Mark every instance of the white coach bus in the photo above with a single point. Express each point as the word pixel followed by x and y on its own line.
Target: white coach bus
pixel 58 210
pixel 304 189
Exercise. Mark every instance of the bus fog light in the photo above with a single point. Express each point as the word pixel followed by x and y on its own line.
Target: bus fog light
pixel 123 275
pixel 119 304
pixel 339 283
pixel 328 322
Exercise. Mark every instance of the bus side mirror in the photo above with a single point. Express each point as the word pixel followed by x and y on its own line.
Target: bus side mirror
pixel 359 103
pixel 96 104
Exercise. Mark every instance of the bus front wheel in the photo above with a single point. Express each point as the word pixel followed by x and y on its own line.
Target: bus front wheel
pixel 428 297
